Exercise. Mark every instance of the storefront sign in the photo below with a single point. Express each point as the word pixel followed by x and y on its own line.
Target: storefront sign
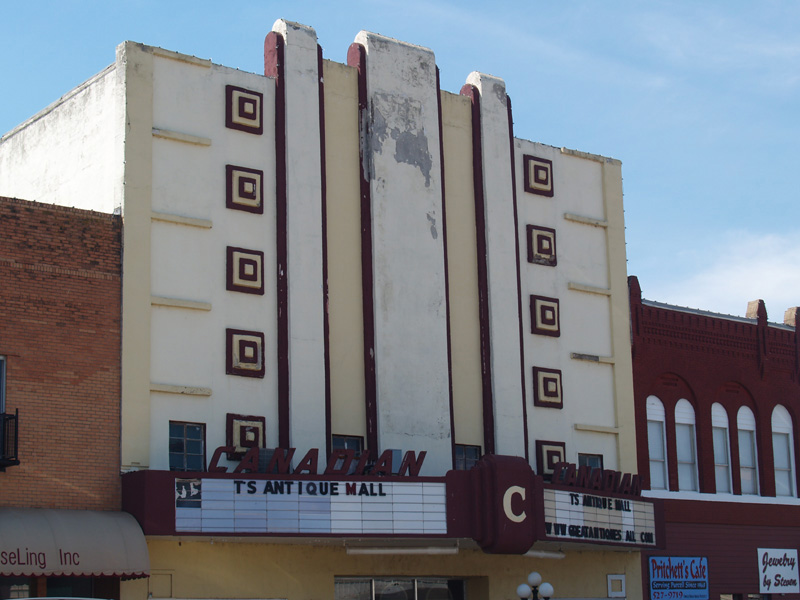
pixel 678 577
pixel 777 571
pixel 340 462
pixel 40 542
pixel 600 480
pixel 270 506
pixel 592 518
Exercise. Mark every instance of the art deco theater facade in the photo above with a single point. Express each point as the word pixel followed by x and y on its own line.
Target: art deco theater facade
pixel 343 288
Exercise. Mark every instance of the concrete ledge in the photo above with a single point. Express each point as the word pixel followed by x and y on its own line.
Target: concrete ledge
pixel 177 136
pixel 585 220
pixel 181 220
pixel 179 303
pixel 606 360
pixel 184 390
pixel 589 289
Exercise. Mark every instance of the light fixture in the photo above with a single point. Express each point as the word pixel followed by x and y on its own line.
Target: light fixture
pixel 400 550
pixel 534 589
pixel 558 554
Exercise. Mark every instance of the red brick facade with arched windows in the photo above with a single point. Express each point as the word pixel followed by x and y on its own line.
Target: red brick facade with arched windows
pixel 706 359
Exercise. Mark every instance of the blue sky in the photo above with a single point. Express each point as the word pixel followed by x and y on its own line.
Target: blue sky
pixel 699 100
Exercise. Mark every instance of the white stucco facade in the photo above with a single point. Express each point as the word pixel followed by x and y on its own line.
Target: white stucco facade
pixel 151 136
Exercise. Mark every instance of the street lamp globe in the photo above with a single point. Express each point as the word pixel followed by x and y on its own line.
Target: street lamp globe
pixel 524 591
pixel 534 579
pixel 546 591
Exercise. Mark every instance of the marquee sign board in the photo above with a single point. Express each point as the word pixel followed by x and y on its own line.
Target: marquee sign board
pixel 309 506
pixel 500 503
pixel 586 517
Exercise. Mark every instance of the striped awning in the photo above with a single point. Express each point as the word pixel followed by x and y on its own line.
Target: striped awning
pixel 50 542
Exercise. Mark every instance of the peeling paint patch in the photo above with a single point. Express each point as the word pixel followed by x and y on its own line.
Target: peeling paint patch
pixel 500 92
pixel 412 148
pixel 432 221
pixel 400 119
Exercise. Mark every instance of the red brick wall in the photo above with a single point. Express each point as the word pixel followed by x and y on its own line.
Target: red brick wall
pixel 60 299
pixel 708 359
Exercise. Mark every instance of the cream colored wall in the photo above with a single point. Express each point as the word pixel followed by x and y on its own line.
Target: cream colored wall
pixel 620 315
pixel 588 421
pixel 346 326
pixel 189 231
pixel 176 227
pixel 465 350
pixel 200 569
pixel 135 67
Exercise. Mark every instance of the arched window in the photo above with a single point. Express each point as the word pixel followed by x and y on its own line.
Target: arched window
pixel 722 457
pixel 782 455
pixel 748 460
pixel 685 442
pixel 656 444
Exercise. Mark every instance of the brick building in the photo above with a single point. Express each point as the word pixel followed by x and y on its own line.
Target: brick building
pixel 717 407
pixel 60 290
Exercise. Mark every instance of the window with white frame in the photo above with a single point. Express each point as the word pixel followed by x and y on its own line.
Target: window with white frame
pixel 686 446
pixel 782 455
pixel 722 456
pixel 656 444
pixel 748 458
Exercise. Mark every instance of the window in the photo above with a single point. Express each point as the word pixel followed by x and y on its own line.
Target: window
pixel 399 588
pixel 15 587
pixel 722 460
pixel 686 446
pixel 782 455
pixel 348 442
pixel 187 446
pixel 466 456
pixel 656 444
pixel 593 461
pixel 748 459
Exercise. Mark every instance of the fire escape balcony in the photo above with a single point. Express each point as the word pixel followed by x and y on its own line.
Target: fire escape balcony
pixel 9 440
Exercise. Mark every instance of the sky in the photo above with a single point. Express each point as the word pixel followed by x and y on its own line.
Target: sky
pixel 699 100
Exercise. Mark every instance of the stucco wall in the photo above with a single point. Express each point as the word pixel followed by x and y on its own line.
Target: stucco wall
pixel 188 261
pixel 70 153
pixel 581 282
pixel 199 569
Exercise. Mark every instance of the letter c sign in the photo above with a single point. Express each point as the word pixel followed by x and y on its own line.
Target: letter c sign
pixel 510 492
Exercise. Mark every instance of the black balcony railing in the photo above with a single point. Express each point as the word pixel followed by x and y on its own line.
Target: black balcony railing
pixel 9 440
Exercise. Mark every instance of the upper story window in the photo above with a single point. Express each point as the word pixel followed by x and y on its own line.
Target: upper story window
pixel 722 456
pixel 748 459
pixel 656 444
pixel 782 455
pixel 187 446
pixel 467 456
pixel 348 442
pixel 593 461
pixel 686 446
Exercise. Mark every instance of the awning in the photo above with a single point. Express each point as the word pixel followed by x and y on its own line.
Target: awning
pixel 42 542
